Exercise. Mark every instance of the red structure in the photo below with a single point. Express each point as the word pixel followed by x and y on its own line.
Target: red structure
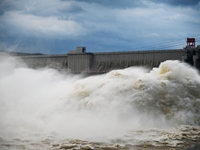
pixel 191 42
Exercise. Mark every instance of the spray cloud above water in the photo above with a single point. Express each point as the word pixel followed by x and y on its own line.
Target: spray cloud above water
pixel 48 102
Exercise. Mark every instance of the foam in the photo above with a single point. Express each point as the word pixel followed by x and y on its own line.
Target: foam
pixel 46 102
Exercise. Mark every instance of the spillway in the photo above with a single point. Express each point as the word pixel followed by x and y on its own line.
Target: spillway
pixel 122 109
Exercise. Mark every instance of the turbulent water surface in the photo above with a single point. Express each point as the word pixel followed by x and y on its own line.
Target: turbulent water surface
pixel 131 108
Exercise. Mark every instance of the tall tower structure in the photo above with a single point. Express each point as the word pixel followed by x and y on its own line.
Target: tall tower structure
pixel 191 42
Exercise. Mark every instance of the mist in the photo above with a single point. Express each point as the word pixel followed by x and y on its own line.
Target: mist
pixel 45 102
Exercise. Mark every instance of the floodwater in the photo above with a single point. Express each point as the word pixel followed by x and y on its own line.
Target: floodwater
pixel 134 108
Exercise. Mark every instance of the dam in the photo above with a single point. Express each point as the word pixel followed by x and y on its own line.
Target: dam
pixel 124 109
pixel 80 61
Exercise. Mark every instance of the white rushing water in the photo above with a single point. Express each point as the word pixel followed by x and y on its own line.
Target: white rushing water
pixel 36 104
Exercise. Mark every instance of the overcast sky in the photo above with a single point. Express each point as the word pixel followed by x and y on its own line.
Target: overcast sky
pixel 56 26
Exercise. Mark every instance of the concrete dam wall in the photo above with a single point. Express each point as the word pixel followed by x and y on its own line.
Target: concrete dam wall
pixel 41 61
pixel 79 61
pixel 108 61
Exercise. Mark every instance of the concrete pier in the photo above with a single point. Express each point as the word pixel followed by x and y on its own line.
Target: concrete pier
pixel 196 58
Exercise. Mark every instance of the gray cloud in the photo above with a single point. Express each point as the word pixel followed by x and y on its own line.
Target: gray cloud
pixel 50 26
pixel 1 12
pixel 115 4
pixel 10 5
pixel 178 2
pixel 70 7
pixel 139 3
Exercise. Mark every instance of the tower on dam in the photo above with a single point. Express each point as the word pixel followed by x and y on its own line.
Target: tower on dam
pixel 79 60
pixel 192 53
